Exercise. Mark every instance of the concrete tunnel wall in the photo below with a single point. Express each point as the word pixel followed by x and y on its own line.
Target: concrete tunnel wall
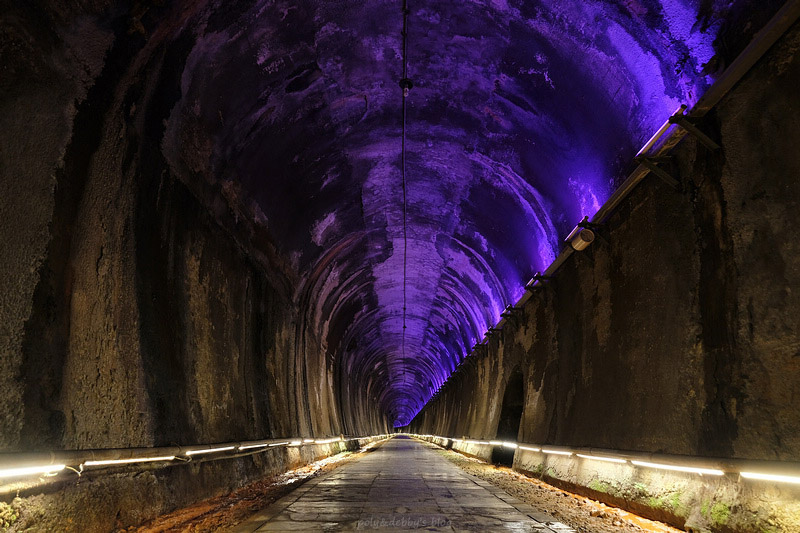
pixel 137 310
pixel 145 302
pixel 139 292
pixel 677 331
pixel 142 320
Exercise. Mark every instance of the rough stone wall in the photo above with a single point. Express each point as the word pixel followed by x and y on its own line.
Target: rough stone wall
pixel 142 326
pixel 761 193
pixel 677 331
pixel 37 111
pixel 137 308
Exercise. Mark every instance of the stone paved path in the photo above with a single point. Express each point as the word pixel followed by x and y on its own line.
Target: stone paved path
pixel 402 485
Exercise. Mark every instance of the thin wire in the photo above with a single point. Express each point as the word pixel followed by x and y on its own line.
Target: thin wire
pixel 403 173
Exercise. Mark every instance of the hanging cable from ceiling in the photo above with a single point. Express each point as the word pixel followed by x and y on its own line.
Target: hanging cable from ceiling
pixel 406 85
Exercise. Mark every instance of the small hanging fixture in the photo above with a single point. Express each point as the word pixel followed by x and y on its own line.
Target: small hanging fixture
pixel 406 85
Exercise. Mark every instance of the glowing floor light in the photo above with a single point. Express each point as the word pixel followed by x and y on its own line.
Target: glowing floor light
pixel 47 470
pixel 689 469
pixel 210 450
pixel 597 458
pixel 771 477
pixel 253 446
pixel 107 462
pixel 556 452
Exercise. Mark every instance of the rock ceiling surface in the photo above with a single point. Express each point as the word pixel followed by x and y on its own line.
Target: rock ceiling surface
pixel 522 119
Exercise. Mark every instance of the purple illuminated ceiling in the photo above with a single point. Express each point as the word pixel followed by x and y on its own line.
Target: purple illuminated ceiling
pixel 522 118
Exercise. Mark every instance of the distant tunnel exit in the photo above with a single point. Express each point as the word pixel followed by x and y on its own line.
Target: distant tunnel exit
pixel 510 417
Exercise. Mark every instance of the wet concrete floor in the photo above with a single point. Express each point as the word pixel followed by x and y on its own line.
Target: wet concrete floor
pixel 402 485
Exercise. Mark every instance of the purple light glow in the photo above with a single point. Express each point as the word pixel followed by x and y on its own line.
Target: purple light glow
pixel 520 120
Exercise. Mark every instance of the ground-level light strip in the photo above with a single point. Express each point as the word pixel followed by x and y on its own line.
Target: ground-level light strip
pixel 774 471
pixel 16 467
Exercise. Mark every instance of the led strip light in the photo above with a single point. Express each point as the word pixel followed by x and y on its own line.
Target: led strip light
pixel 213 453
pixel 714 470
pixel 47 470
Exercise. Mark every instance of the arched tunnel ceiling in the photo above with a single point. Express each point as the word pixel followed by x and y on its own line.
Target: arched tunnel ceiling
pixel 522 118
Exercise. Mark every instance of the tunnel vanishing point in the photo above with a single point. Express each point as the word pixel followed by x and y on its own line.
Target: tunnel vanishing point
pixel 566 223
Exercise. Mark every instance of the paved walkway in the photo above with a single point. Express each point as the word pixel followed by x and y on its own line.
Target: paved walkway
pixel 401 485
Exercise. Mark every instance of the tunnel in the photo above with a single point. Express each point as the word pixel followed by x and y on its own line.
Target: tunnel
pixel 242 236
pixel 510 418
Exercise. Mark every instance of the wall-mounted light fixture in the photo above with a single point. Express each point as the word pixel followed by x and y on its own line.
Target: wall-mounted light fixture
pixel 210 450
pixel 109 462
pixel 601 458
pixel 661 131
pixel 509 311
pixel 253 446
pixel 771 477
pixel 537 281
pixel 679 468
pixel 81 459
pixel 582 235
pixel 47 470
pixel 556 452
pixel 580 238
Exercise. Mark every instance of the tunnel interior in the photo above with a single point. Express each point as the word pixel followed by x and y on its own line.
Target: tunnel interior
pixel 510 418
pixel 519 123
pixel 225 221
pixel 522 120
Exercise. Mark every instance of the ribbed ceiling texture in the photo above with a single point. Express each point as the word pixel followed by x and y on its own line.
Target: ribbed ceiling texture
pixel 523 117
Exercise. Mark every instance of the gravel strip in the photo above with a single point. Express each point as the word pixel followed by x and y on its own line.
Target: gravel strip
pixel 583 514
